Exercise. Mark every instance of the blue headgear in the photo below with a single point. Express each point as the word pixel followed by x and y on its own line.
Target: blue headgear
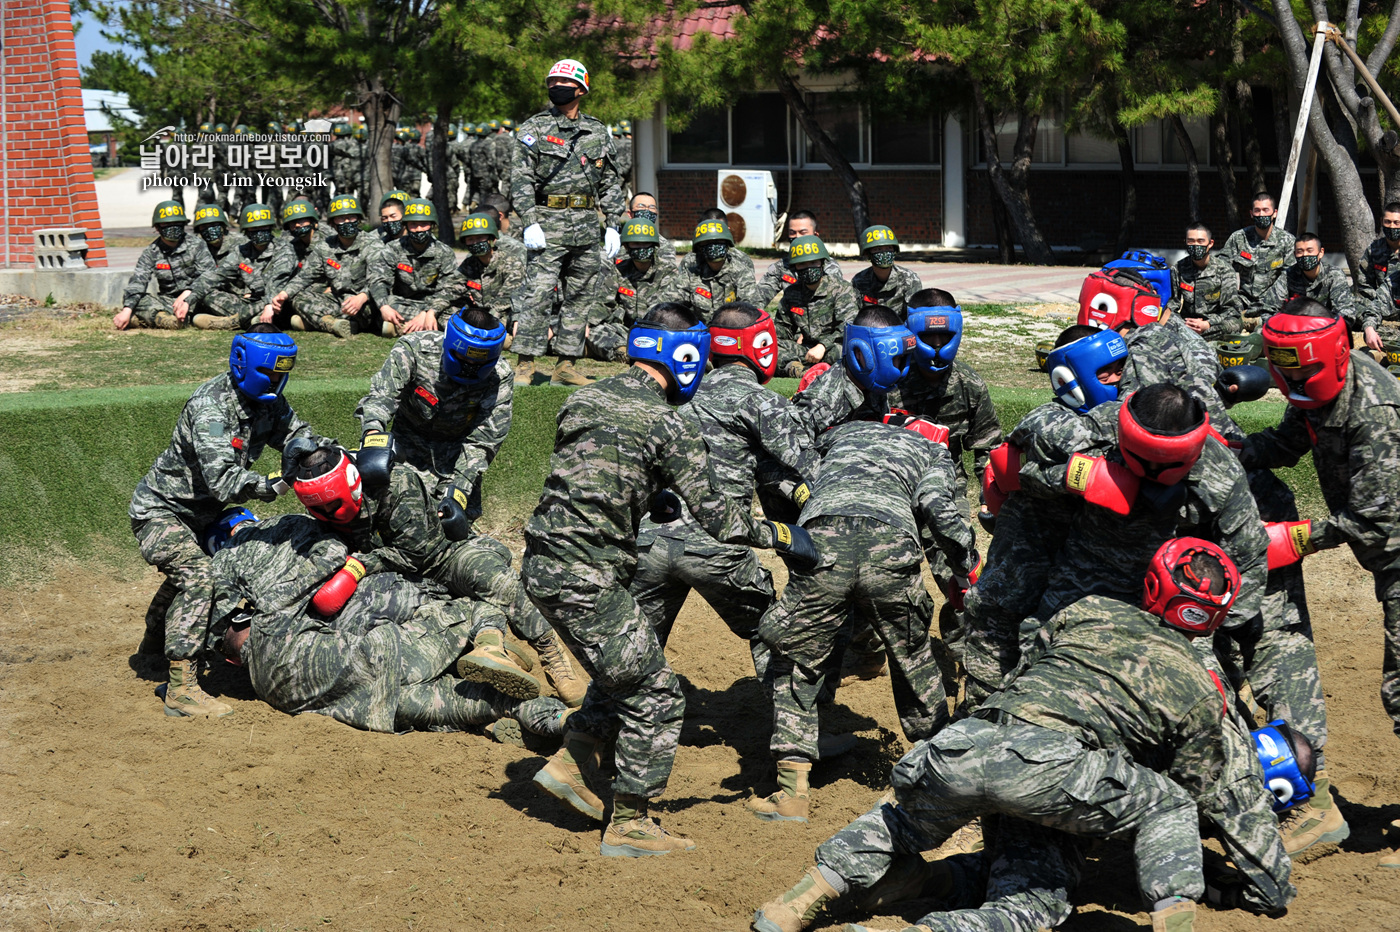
pixel 877 357
pixel 217 535
pixel 682 352
pixel 470 353
pixel 256 357
pixel 1074 370
pixel 937 319
pixel 1282 775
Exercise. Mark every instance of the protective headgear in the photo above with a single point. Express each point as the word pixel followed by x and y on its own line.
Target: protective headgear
pixel 1295 343
pixel 1161 458
pixel 805 249
pixel 360 132
pixel 926 323
pixel 1282 775
pixel 880 245
pixel 334 496
pixel 261 362
pixel 1155 269
pixel 1110 298
pixel 241 129
pixel 1173 592
pixel 168 212
pixel 296 210
pixel 571 69
pixel 640 230
pixel 206 214
pixel 933 433
pixel 221 127
pixel 273 127
pixel 877 357
pixel 683 353
pixel 419 209
pixel 710 230
pixel 479 225
pixel 345 205
pixel 626 127
pixel 256 216
pixel 470 353
pixel 508 124
pixel 1241 350
pixel 206 127
pixel 341 129
pixel 216 536
pixel 1074 370
pixel 756 345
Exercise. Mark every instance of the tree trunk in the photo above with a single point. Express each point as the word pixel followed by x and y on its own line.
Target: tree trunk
pixel 437 171
pixel 1244 112
pixel 1193 169
pixel 1225 162
pixel 826 148
pixel 1127 217
pixel 1012 186
pixel 1006 246
pixel 381 110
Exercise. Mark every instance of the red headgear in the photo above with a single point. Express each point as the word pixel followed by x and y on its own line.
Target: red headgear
pixel 756 344
pixel 1297 343
pixel 1160 457
pixel 1110 298
pixel 934 433
pixel 1174 593
pixel 333 496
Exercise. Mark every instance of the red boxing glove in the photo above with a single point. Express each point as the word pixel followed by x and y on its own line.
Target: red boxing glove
pixel 337 590
pixel 1102 482
pixel 810 375
pixel 1001 477
pixel 957 590
pixel 1289 542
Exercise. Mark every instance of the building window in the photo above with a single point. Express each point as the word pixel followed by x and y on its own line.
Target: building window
pixel 842 121
pixel 761 128
pixel 904 140
pixel 1198 129
pixel 1083 149
pixel 1048 146
pixel 704 142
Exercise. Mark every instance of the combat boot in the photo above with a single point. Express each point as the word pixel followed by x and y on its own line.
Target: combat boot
pixel 793 799
pixel 865 667
pixel 966 840
pixel 494 660
pixel 164 320
pixel 185 699
pixel 1391 860
pixel 561 777
pixel 296 323
pixel 214 322
pixel 795 909
pixel 337 325
pixel 387 329
pixel 1319 821
pixel 1178 917
pixel 633 834
pixel 559 669
pixel 566 374
pixel 525 371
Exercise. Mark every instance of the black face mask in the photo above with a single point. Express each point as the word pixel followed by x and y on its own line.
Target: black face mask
pixel 349 229
pixel 642 253
pixel 1263 223
pixel 645 215
pixel 882 258
pixel 260 237
pixel 1308 263
pixel 1392 233
pixel 302 230
pixel 479 249
pixel 212 233
pixel 1197 251
pixel 712 251
pixel 393 229
pixel 420 237
pixel 810 277
pixel 172 234
pixel 561 94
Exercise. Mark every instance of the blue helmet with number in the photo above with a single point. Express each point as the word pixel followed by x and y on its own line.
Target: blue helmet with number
pixel 469 353
pixel 682 352
pixel 217 535
pixel 260 364
pixel 1074 370
pixel 1283 774
pixel 938 332
pixel 877 357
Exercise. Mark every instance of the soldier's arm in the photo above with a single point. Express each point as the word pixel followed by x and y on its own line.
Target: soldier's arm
pixel 450 291
pixel 281 268
pixel 379 272
pixel 610 185
pixel 386 389
pixel 140 277
pixel 831 399
pixel 1241 534
pixel 215 278
pixel 682 464
pixel 522 181
pixel 1048 451
pixel 218 464
pixel 203 264
pixel 983 427
pixel 484 441
pixel 771 284
pixel 288 426
pixel 312 274
pixel 1342 302
pixel 781 432
pixel 1278 446
pixel 1174 303
pixel 408 526
pixel 936 505
pixel 1373 455
pixel 1226 312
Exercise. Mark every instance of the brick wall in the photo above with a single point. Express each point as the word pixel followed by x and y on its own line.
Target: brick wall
pixel 911 202
pixel 50 173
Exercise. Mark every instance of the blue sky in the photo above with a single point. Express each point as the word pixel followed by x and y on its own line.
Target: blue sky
pixel 89 39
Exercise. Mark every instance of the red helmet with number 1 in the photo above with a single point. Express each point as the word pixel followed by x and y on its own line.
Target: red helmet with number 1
pixel 1190 584
pixel 756 344
pixel 1308 357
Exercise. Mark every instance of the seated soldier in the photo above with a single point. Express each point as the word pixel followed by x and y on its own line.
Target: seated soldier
pixel 1205 288
pixel 491 275
pixel 641 283
pixel 391 216
pixel 643 207
pixel 234 294
pixel 211 226
pixel 1310 277
pixel 712 275
pixel 332 284
pixel 884 282
pixel 175 262
pixel 779 274
pixel 813 310
pixel 1376 288
pixel 414 279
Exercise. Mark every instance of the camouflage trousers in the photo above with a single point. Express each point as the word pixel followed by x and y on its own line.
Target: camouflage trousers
pixel 729 578
pixel 634 689
pixel 607 341
pixel 318 305
pixel 435 462
pixel 150 305
pixel 169 545
pixel 865 644
pixel 979 768
pixel 479 568
pixel 224 304
pixel 575 269
pixel 871 568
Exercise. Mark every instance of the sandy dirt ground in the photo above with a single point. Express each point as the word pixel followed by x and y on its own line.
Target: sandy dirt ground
pixel 113 816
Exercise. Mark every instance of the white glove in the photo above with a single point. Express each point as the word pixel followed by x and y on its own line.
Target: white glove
pixel 611 242
pixel 533 236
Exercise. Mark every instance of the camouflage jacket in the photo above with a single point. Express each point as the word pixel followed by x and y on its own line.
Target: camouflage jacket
pixel 502 155
pixel 174 269
pixel 816 316
pixel 398 530
pixel 636 291
pixel 875 470
pixel 1041 435
pixel 705 291
pixel 345 163
pixel 1170 351
pixel 242 272
pixel 618 443
pixel 231 241
pixel 1260 264
pixel 482 167
pixel 1355 445
pixel 778 277
pixel 342 269
pixel 489 286
pixel 834 398
pixel 1211 294
pixel 1330 289
pixel 287 260
pixel 459 160
pixel 557 155
pixel 397 271
pixel 1376 289
pixel 462 425
pixel 207 467
pixel 960 402
pixel 893 293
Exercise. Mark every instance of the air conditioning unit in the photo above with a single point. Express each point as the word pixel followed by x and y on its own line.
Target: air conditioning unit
pixel 749 200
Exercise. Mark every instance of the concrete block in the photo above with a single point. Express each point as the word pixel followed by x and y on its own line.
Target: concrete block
pixel 68 286
pixel 60 248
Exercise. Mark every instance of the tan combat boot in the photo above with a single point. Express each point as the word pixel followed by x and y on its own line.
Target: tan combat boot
pixel 793 799
pixel 966 840
pixel 525 371
pixel 214 322
pixel 1319 821
pixel 1178 917
pixel 184 698
pixel 865 667
pixel 560 670
pixel 497 662
pixel 337 325
pixel 164 320
pixel 566 374
pixel 795 909
pixel 561 777
pixel 633 834
pixel 1391 860
pixel 387 329
pixel 296 323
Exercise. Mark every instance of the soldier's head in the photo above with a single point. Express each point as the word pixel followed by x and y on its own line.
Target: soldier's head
pixel 801 223
pixel 327 483
pixel 299 219
pixel 1390 223
pixel 936 321
pixel 672 346
pixel 170 221
pixel 1086 366
pixel 471 344
pixel 1161 432
pixel 502 206
pixel 877 348
pixel 257 224
pixel 712 241
pixel 210 224
pixel 566 82
pixel 640 238
pixel 744 334
pixel 1309 353
pixel 643 207
pixel 220 534
pixel 260 361
pixel 346 216
pixel 879 245
pixel 1308 253
pixel 1199 243
pixel 420 222
pixel 1289 763
pixel 1263 211
pixel 807 258
pixel 478 233
pixel 391 213
pixel 1191 585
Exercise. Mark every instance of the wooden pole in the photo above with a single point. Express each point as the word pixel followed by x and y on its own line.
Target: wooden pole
pixel 1301 127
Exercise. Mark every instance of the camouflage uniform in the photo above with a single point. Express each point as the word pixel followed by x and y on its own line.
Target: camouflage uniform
pixel 236 287
pixel 447 432
pixel 1260 263
pixel 1330 289
pixel 330 273
pixel 779 276
pixel 619 443
pixel 502 156
pixel 231 241
pixel 345 165
pixel 1355 445
pixel 483 169
pixel 1211 294
pixel 289 256
pixel 1172 352
pixel 884 496
pixel 815 316
pixel 705 290
pixel 491 285
pixel 412 282
pixel 381 663
pixel 459 169
pixel 175 270
pixel 1376 290
pixel 219 435
pixel 558 158
pixel 635 293
pixel 1113 730
pixel 893 293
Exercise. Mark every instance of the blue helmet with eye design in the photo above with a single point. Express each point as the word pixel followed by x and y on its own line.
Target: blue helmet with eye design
pixel 877 357
pixel 683 353
pixel 469 353
pixel 1283 775
pixel 1074 370
pixel 260 364
pixel 934 351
